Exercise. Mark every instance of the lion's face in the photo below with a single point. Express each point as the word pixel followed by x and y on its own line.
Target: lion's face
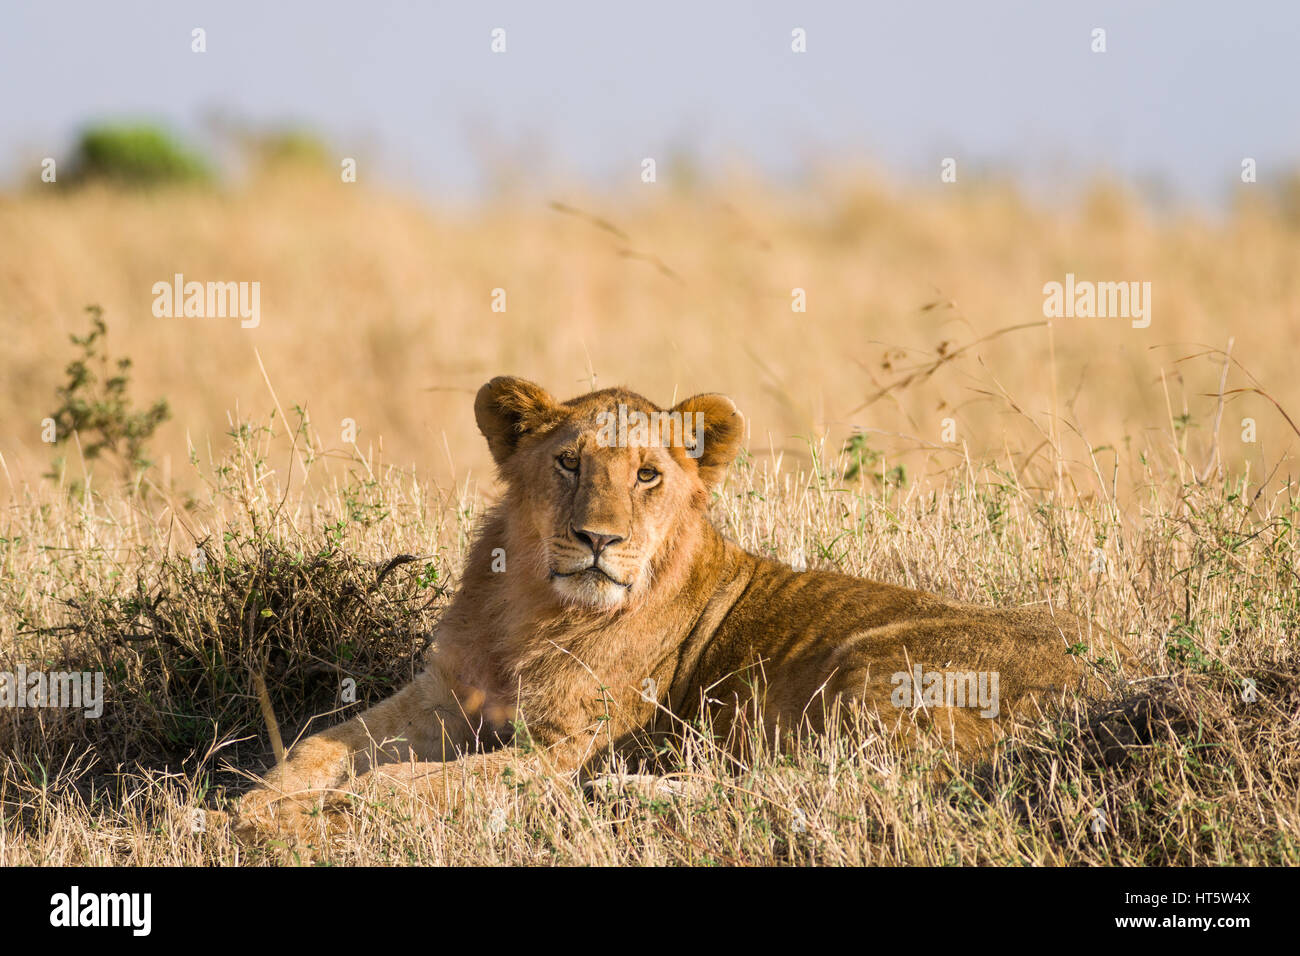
pixel 605 489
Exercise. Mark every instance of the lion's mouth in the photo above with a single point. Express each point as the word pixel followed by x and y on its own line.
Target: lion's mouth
pixel 591 569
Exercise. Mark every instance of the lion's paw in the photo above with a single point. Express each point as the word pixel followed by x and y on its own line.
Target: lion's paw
pixel 264 814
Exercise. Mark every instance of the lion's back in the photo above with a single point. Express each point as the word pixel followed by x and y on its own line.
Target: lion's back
pixel 822 632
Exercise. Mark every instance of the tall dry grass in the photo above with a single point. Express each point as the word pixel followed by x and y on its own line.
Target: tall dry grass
pixel 303 588
pixel 378 309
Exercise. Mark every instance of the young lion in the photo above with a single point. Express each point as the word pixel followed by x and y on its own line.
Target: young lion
pixel 599 605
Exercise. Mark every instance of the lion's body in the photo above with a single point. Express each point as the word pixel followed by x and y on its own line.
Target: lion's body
pixel 599 605
pixel 739 624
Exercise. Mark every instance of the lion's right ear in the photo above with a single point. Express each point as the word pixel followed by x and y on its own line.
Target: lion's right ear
pixel 507 408
pixel 718 426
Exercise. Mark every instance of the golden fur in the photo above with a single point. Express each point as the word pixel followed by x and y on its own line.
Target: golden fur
pixel 599 604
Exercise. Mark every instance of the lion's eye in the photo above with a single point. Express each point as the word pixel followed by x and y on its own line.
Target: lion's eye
pixel 568 461
pixel 647 475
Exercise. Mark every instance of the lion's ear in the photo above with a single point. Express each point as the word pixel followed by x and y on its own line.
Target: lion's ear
pixel 507 408
pixel 718 428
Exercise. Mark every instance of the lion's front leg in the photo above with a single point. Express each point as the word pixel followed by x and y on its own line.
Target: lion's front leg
pixel 422 722
pixel 443 787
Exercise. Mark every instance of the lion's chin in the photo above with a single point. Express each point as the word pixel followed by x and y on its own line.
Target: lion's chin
pixel 591 589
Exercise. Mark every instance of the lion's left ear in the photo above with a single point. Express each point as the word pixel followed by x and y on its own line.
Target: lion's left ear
pixel 719 429
pixel 507 408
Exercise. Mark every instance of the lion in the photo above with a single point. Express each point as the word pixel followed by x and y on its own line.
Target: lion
pixel 600 607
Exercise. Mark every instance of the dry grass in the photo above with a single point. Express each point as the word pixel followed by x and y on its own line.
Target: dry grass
pixel 379 310
pixel 1184 769
pixel 1082 475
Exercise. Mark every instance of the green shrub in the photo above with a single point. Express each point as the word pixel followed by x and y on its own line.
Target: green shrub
pixel 136 156
pixel 94 404
pixel 290 147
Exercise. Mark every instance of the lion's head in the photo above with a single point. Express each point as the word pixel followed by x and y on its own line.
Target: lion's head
pixel 604 492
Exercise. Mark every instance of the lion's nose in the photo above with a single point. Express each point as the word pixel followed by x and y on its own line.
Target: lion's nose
pixel 597 542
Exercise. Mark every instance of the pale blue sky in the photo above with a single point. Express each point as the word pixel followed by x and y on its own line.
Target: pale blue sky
pixel 585 90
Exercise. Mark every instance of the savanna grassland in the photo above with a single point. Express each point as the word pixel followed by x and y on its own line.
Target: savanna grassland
pixel 920 423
